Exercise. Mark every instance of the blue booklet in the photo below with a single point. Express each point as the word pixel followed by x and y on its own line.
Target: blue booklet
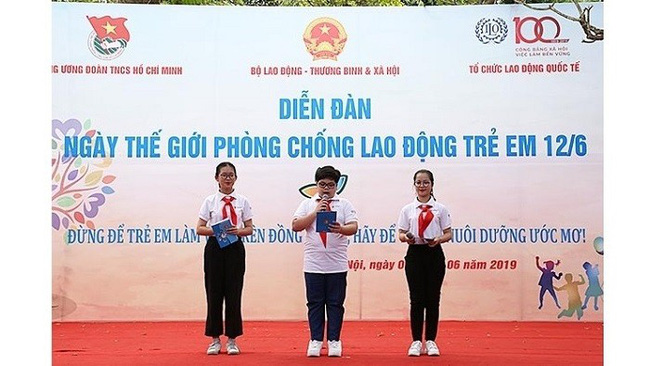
pixel 323 220
pixel 220 230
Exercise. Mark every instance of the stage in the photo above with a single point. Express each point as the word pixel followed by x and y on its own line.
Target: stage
pixel 364 343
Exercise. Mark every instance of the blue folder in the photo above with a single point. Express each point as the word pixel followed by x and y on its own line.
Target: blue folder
pixel 323 220
pixel 220 230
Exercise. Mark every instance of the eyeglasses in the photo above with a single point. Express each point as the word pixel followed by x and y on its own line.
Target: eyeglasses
pixel 422 183
pixel 227 176
pixel 326 185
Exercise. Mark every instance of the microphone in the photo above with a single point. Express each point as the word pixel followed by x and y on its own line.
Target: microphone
pixel 324 197
pixel 409 235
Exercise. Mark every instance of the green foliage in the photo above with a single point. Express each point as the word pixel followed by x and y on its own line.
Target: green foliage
pixel 341 3
pixel 216 2
pixel 419 2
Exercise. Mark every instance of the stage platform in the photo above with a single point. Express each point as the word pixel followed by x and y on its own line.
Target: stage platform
pixel 372 343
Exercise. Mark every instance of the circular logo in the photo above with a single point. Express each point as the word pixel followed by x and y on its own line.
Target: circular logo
pixel 325 38
pixel 105 49
pixel 491 30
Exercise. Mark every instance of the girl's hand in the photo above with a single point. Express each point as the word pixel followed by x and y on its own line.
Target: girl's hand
pixel 433 242
pixel 410 238
pixel 233 230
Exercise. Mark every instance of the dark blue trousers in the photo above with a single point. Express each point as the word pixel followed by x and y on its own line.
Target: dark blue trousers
pixel 325 293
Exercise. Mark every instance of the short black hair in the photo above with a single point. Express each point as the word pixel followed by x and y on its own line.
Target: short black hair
pixel 327 172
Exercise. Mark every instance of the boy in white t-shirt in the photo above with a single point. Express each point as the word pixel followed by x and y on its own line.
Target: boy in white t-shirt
pixel 325 260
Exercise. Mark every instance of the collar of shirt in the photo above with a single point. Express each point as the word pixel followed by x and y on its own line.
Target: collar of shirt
pixel 431 202
pixel 221 195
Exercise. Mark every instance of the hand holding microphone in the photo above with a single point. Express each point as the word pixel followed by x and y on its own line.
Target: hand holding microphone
pixel 410 237
pixel 324 203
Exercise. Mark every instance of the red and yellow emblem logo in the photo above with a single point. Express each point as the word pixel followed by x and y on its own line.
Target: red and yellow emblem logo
pixel 325 38
pixel 109 37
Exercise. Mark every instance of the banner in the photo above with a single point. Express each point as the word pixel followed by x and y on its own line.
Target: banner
pixel 503 104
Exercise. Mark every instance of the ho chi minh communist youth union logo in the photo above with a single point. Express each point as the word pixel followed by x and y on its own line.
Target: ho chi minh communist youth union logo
pixel 109 37
pixel 325 38
pixel 491 30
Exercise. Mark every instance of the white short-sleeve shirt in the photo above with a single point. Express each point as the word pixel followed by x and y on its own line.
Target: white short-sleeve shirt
pixel 212 209
pixel 408 219
pixel 332 258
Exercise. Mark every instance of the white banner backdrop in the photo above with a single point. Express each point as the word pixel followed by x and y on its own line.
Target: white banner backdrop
pixel 504 104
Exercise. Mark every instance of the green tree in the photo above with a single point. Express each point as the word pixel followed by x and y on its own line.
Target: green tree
pixel 341 3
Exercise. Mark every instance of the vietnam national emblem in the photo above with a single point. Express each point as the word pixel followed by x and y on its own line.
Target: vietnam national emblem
pixel 325 38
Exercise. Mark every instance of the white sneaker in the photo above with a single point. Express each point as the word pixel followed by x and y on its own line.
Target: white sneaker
pixel 334 348
pixel 231 347
pixel 313 350
pixel 415 349
pixel 432 348
pixel 215 347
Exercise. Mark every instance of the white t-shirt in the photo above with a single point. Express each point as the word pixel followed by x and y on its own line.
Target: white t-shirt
pixel 408 219
pixel 332 258
pixel 212 208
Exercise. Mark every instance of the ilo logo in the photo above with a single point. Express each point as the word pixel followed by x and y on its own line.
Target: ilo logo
pixel 530 30
pixel 491 30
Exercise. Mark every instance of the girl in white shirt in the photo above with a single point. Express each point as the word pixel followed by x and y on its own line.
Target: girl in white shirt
pixel 224 267
pixel 424 225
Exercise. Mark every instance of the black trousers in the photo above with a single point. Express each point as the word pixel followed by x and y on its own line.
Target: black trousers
pixel 224 280
pixel 425 270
